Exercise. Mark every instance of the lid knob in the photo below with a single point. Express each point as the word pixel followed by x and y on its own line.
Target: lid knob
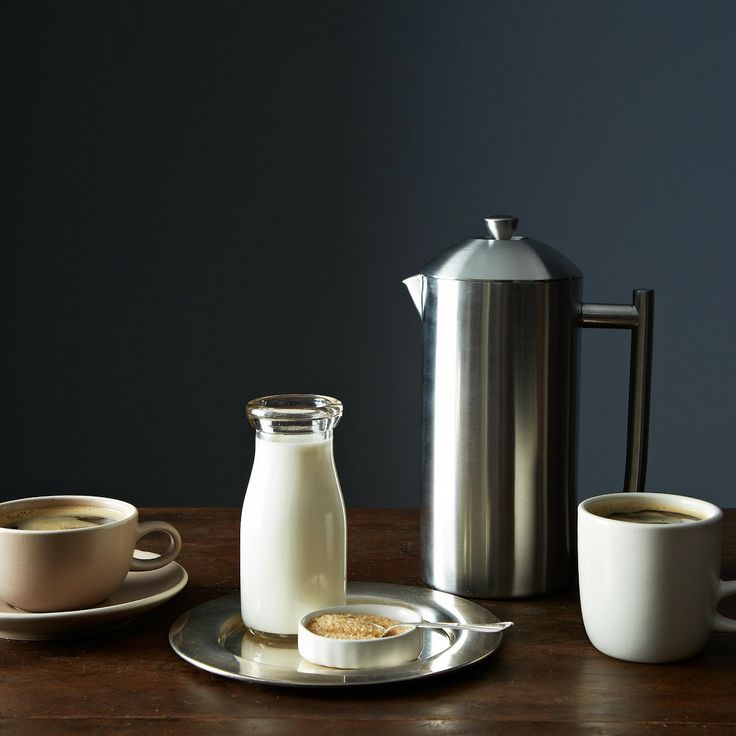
pixel 502 227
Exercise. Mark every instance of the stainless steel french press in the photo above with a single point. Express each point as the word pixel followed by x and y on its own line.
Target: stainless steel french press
pixel 500 319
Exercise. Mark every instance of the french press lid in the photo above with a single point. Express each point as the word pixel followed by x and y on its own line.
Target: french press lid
pixel 502 256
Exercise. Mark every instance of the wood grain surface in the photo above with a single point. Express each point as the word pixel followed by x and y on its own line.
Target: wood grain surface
pixel 545 678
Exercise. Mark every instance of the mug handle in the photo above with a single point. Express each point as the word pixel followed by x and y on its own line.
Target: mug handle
pixel 148 527
pixel 720 622
pixel 639 318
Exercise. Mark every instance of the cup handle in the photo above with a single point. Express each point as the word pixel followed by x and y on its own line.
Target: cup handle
pixel 723 623
pixel 148 527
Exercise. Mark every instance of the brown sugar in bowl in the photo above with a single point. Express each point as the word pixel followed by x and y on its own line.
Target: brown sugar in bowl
pixel 346 640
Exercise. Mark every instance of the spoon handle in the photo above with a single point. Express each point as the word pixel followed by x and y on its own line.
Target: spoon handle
pixel 485 628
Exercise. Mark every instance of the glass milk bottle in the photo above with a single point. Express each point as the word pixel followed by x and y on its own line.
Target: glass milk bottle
pixel 292 531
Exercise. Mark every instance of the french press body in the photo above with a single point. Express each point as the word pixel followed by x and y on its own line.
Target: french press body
pixel 499 411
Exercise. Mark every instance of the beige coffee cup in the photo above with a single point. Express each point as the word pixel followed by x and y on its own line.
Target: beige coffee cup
pixel 72 568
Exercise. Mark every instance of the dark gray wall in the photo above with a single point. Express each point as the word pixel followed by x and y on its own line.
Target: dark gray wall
pixel 207 202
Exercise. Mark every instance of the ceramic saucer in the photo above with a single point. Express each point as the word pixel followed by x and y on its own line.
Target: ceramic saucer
pixel 140 592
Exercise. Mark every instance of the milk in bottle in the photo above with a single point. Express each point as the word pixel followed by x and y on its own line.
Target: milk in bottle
pixel 292 534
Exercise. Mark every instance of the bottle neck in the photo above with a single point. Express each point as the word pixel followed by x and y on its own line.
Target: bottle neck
pixel 308 438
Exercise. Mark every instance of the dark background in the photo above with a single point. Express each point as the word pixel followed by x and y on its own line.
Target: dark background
pixel 207 202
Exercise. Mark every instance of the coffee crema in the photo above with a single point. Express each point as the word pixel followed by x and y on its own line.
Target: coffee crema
pixel 652 516
pixel 58 518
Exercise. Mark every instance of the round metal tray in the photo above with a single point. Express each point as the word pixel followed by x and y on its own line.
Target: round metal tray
pixel 212 636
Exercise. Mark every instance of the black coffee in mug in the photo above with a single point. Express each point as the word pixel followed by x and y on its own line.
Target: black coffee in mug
pixel 652 516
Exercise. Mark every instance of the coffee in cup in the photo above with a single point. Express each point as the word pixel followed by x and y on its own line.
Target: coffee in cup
pixel 651 513
pixel 649 568
pixel 57 518
pixel 61 553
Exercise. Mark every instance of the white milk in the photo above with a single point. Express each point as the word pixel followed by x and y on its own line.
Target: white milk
pixel 292 533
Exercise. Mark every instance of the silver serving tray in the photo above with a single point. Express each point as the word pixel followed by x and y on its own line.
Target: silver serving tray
pixel 212 636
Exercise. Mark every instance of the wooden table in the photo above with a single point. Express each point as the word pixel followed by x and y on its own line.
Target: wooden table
pixel 545 678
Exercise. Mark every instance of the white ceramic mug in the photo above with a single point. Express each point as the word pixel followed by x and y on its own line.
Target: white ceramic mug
pixel 70 569
pixel 649 591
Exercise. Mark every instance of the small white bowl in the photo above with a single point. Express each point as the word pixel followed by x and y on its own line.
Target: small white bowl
pixel 351 654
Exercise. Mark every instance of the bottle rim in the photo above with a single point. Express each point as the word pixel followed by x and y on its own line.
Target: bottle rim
pixel 294 413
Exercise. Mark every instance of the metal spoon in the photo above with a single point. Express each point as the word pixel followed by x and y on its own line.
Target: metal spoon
pixel 484 628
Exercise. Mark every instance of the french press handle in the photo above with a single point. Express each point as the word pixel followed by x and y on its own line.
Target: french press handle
pixel 639 318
